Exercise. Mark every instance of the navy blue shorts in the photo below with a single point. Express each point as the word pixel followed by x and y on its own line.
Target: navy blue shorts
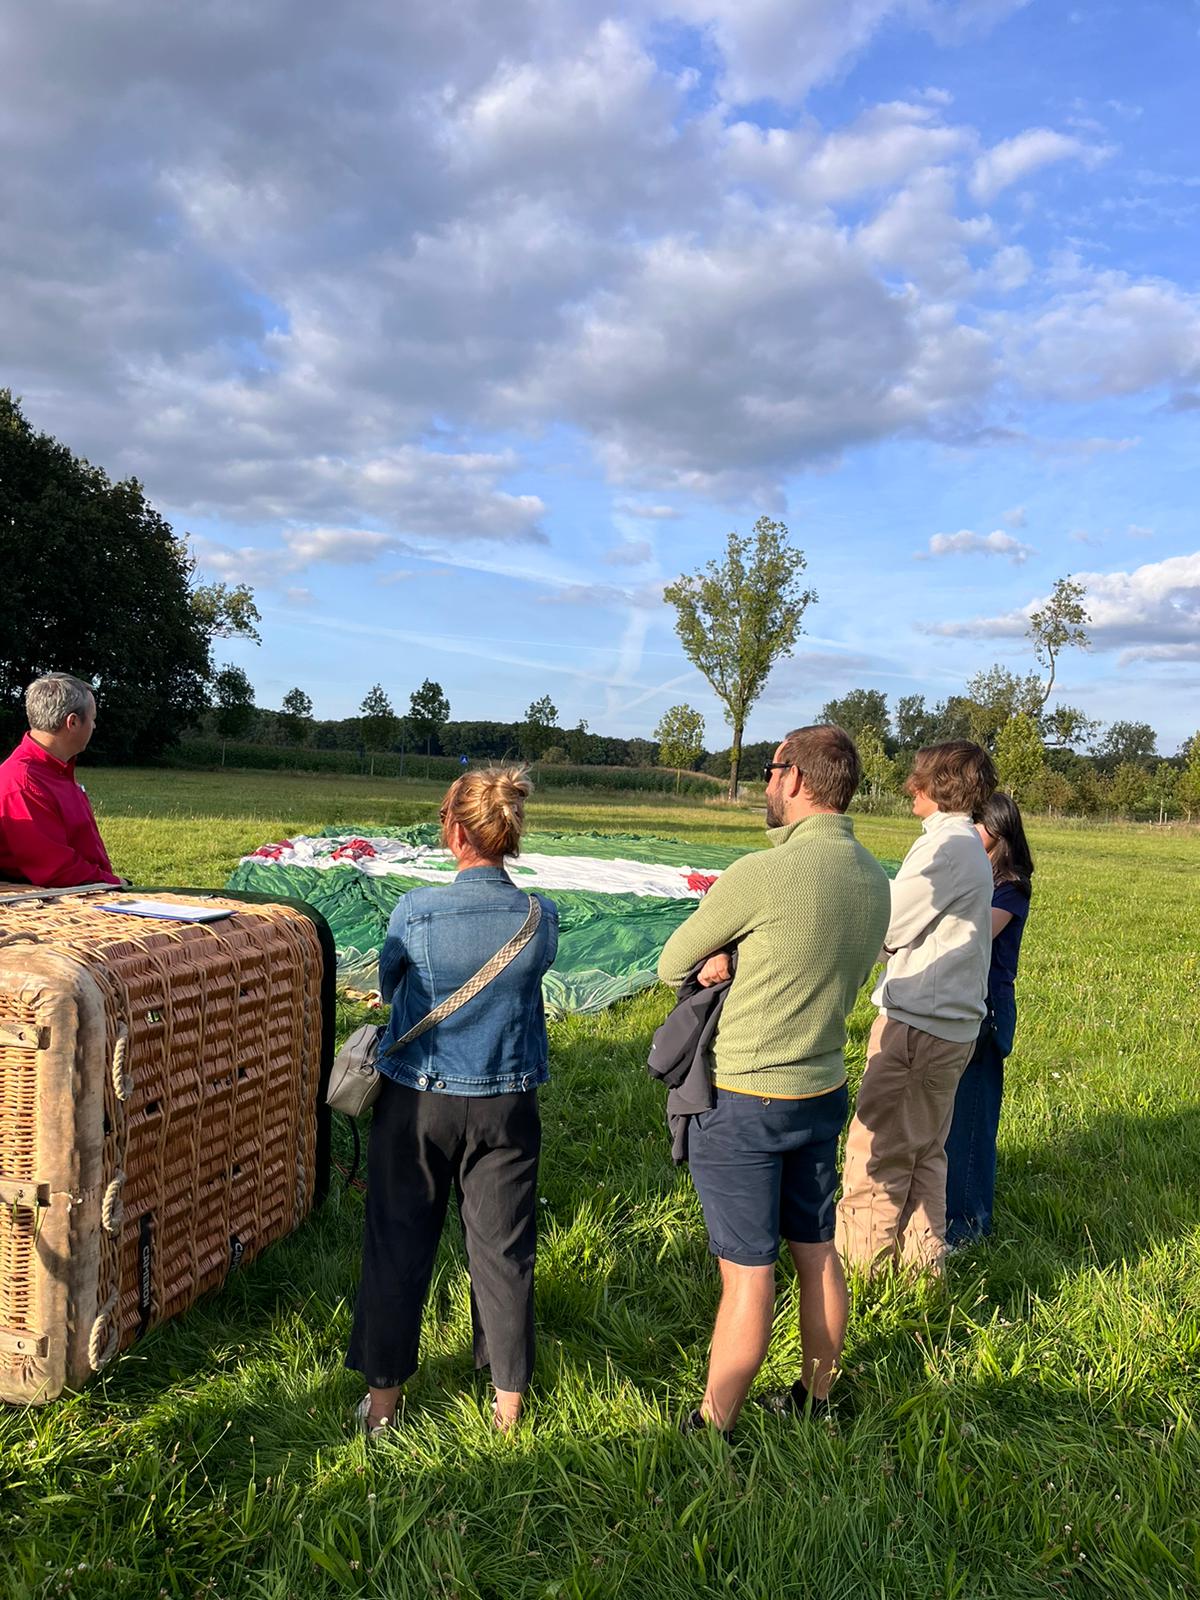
pixel 766 1169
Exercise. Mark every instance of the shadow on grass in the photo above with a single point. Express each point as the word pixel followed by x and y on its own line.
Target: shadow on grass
pixel 1103 1195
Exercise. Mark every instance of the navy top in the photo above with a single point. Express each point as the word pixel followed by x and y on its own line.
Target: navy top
pixel 1006 952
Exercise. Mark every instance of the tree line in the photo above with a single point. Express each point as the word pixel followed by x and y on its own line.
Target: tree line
pixel 426 728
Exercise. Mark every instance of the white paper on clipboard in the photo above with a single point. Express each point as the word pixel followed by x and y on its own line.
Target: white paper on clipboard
pixel 166 910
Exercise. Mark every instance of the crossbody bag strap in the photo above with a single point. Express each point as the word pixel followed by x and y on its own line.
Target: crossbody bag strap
pixel 490 969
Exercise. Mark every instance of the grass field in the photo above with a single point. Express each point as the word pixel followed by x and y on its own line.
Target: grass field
pixel 1030 1429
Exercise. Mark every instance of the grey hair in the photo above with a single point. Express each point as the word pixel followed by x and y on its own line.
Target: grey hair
pixel 51 699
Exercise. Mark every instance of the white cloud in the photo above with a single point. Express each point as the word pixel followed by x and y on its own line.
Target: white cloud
pixel 343 547
pixel 1134 531
pixel 919 231
pixel 1160 652
pixel 781 48
pixel 612 595
pixel 1106 334
pixel 1016 518
pixel 776 341
pixel 633 553
pixel 1155 608
pixel 292 284
pixel 809 678
pixel 883 146
pixel 1010 268
pixel 646 513
pixel 967 543
pixel 952 21
pixel 1011 160
pixel 297 551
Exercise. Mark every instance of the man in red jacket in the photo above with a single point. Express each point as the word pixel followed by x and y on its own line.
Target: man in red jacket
pixel 48 835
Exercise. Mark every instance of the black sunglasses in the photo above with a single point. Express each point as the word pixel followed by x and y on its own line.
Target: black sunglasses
pixel 775 766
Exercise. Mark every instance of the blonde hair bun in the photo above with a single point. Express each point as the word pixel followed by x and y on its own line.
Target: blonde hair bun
pixel 490 806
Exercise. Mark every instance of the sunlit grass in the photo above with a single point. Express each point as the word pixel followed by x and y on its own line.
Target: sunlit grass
pixel 1029 1430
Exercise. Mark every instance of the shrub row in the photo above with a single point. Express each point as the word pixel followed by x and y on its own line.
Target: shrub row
pixel 443 769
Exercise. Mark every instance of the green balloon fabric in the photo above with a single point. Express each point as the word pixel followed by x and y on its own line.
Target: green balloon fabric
pixel 609 942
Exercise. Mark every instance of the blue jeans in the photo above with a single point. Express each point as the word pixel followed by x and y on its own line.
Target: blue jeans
pixel 971 1143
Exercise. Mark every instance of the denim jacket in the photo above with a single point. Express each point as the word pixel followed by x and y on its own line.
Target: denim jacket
pixel 437 939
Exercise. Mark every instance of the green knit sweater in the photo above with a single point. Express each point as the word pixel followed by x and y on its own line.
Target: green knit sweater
pixel 808 917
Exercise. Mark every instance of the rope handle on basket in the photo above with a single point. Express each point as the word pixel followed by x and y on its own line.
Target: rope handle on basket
pixel 100 1355
pixel 15 938
pixel 112 1211
pixel 122 1081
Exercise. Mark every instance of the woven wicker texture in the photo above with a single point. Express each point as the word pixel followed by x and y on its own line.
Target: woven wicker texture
pixel 158 1098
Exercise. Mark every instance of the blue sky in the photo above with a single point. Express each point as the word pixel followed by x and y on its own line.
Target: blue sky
pixel 457 335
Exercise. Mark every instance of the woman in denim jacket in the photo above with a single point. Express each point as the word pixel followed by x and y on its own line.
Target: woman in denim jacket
pixel 458 1108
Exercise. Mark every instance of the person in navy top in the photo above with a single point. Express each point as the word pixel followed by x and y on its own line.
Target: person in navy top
pixel 971 1142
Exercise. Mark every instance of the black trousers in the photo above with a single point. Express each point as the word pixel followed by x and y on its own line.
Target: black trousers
pixel 422 1145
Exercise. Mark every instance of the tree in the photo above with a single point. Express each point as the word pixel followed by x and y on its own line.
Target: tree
pixel 878 774
pixel 857 711
pixel 1187 786
pixel 953 718
pixel 233 697
pixel 581 746
pixel 224 612
pixel 1056 791
pixel 1020 758
pixel 539 727
pixel 377 719
pixel 995 697
pixel 1126 742
pixel 1129 785
pixel 640 753
pixel 295 716
pixel 915 725
pixel 680 735
pixel 1057 626
pixel 96 583
pixel 1161 789
pixel 428 712
pixel 1090 794
pixel 1066 726
pixel 739 616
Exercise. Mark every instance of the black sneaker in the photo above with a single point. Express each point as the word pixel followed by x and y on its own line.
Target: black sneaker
pixel 695 1422
pixel 793 1402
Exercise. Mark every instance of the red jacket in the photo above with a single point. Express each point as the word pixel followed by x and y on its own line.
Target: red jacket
pixel 48 835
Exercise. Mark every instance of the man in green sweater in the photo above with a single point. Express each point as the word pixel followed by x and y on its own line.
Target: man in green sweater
pixel 808 918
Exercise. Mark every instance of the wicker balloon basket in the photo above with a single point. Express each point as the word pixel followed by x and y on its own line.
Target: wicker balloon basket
pixel 160 1116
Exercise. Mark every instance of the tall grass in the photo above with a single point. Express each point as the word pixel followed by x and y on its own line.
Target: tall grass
pixel 1029 1429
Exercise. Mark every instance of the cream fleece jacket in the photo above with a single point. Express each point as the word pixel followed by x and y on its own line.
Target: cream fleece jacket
pixel 939 939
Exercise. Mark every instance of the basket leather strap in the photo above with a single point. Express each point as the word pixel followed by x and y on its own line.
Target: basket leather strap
pixel 482 978
pixel 16 1342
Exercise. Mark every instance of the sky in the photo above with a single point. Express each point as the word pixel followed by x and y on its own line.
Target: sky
pixel 458 331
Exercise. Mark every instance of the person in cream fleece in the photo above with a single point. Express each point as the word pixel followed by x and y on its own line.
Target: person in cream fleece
pixel 932 1001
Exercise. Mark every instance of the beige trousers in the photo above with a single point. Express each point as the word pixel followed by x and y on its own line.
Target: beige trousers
pixel 893 1205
